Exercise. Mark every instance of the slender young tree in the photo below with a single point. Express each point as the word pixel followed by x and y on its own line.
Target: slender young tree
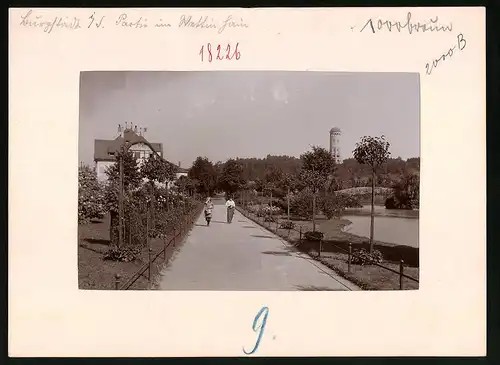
pixel 131 181
pixel 288 183
pixel 318 165
pixel 156 170
pixel 272 179
pixel 373 152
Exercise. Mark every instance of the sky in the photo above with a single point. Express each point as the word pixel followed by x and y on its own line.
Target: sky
pixel 227 114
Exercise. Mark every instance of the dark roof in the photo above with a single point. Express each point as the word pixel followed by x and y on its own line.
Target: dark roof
pixel 102 147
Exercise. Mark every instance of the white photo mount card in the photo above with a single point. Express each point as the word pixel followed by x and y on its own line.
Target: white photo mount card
pixel 247 182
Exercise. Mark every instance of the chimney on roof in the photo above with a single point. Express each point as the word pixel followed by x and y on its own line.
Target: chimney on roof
pixel 179 164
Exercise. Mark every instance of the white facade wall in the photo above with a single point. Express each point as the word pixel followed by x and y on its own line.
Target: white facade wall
pixel 101 167
pixel 141 152
pixel 335 146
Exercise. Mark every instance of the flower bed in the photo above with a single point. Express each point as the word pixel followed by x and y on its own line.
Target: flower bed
pixel 94 272
pixel 334 254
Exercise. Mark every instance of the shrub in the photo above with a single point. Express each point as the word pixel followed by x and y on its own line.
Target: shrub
pixel 332 205
pixel 272 210
pixel 267 211
pixel 356 196
pixel 165 214
pixel 282 204
pixel 252 208
pixel 126 254
pixel 352 201
pixel 269 218
pixel 301 204
pixel 390 203
pixel 287 225
pixel 90 195
pixel 363 257
pixel 406 194
pixel 313 235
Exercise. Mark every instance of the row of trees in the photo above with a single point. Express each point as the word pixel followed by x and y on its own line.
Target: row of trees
pixel 315 179
pixel 302 186
pixel 150 208
pixel 350 173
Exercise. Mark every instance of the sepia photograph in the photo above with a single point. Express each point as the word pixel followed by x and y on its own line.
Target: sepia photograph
pixel 248 180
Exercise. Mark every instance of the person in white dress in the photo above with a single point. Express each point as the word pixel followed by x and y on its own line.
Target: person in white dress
pixel 230 205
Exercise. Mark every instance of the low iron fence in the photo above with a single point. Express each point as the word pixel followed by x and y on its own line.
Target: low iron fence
pixel 178 234
pixel 268 225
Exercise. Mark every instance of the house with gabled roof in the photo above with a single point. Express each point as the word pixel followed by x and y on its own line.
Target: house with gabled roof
pixel 105 150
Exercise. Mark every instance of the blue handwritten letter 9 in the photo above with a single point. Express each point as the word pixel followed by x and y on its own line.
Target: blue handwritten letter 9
pixel 258 326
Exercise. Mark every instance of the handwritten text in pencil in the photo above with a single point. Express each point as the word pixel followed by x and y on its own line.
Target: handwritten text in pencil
pixel 459 46
pixel 203 22
pixel 48 25
pixel 432 25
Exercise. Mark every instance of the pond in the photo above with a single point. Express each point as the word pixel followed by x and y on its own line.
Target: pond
pixel 392 226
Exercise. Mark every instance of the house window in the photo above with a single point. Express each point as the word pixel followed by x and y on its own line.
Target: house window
pixel 137 155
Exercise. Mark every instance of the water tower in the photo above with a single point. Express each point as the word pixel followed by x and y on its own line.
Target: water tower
pixel 335 134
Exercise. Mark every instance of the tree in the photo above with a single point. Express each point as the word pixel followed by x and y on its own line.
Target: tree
pixel 301 204
pixel 247 192
pixel 131 181
pixel 272 180
pixel 255 168
pixel 131 175
pixel 205 174
pixel 318 165
pixel 288 183
pixel 230 180
pixel 333 204
pixel 406 193
pixel 372 152
pixel 90 195
pixel 186 184
pixel 156 170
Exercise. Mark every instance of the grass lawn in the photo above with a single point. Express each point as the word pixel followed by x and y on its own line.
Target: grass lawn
pixel 334 255
pixel 370 277
pixel 96 273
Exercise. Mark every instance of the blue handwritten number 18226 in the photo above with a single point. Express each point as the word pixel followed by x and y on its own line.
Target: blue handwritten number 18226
pixel 258 326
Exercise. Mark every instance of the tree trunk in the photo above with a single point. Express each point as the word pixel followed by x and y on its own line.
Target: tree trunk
pixel 372 213
pixel 114 229
pixel 153 203
pixel 120 205
pixel 288 204
pixel 271 204
pixel 314 212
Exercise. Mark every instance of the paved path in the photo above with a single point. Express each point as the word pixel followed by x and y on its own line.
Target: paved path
pixel 243 256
